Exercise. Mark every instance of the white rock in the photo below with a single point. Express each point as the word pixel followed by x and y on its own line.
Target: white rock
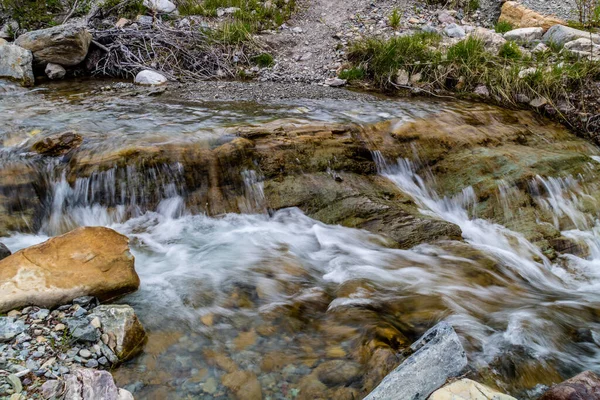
pixel 526 72
pixel 524 35
pixel 160 6
pixel 482 91
pixel 582 48
pixel 466 389
pixel 491 40
pixel 540 48
pixel 225 11
pixel 559 35
pixel 151 78
pixel 335 82
pixel 402 77
pixel 55 71
pixel 16 64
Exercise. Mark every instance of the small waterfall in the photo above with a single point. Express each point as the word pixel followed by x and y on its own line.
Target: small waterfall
pixel 113 196
pixel 254 196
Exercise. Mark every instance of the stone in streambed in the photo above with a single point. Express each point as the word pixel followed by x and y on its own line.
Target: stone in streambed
pixel 66 45
pixel 55 71
pixel 86 261
pixel 466 389
pixel 4 251
pixel 16 64
pixel 57 145
pixel 438 356
pixel 338 372
pixel 243 384
pixel 585 386
pixel 121 323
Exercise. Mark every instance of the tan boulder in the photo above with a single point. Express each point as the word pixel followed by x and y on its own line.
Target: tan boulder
pixel 92 261
pixel 522 17
pixel 466 389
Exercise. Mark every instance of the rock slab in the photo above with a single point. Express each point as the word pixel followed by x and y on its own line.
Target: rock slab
pixel 560 35
pixel 16 64
pixel 466 389
pixel 438 355
pixel 85 384
pixel 86 261
pixel 520 16
pixel 66 45
pixel 585 386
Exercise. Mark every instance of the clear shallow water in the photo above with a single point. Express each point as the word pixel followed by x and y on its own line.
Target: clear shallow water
pixel 281 295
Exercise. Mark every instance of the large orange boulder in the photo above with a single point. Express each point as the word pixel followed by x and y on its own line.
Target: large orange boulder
pixel 520 16
pixel 90 261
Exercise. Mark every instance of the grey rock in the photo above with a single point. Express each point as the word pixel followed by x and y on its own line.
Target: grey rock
pixel 16 64
pixel 145 21
pixel 10 327
pixel 335 82
pixel 4 251
pixel 81 330
pixel 8 29
pixel 84 301
pixel 560 35
pixel 160 6
pixel 150 78
pixel 438 355
pixel 491 40
pixel 66 45
pixel 80 312
pixel 41 314
pixel 91 364
pixel 121 323
pixel 455 31
pixel 55 71
pixel 482 91
pixel 429 29
pixel 446 18
pixel 524 35
pixel 582 48
pixel 53 389
pixel 85 383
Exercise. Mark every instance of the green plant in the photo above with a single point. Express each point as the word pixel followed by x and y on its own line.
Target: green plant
pixel 470 51
pixel 31 14
pixel 124 8
pixel 472 6
pixel 264 60
pixel 511 51
pixel 395 19
pixel 352 74
pixel 503 27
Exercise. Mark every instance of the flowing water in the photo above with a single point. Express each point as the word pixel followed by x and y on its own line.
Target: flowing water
pixel 281 294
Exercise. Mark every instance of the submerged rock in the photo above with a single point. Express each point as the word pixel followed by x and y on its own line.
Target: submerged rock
pixel 466 389
pixel 16 64
pixel 87 261
pixel 126 333
pixel 585 386
pixel 438 356
pixel 66 45
pixel 57 145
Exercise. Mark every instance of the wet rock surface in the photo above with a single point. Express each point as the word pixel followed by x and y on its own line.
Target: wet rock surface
pixel 87 261
pixel 583 386
pixel 16 64
pixel 438 355
pixel 66 45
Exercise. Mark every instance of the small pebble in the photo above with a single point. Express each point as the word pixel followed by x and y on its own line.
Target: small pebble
pixel 92 364
pixel 85 353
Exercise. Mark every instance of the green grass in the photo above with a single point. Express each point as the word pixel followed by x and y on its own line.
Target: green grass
pixel 32 14
pixel 352 74
pixel 503 27
pixel 380 59
pixel 264 60
pixel 510 50
pixel 124 9
pixel 472 6
pixel 468 64
pixel 395 19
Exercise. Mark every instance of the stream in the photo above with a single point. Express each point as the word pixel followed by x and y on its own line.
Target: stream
pixel 281 294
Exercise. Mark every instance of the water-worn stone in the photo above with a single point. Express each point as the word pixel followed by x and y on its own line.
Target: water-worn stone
pixel 86 261
pixel 524 35
pixel 438 356
pixel 559 35
pixel 585 386
pixel 466 389
pixel 338 372
pixel 151 78
pixel 88 384
pixel 120 322
pixel 243 384
pixel 16 64
pixel 4 251
pixel 520 16
pixel 160 6
pixel 57 145
pixel 66 45
pixel 10 327
pixel 55 71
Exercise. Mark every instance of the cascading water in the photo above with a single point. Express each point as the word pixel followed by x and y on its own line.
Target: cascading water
pixel 300 292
